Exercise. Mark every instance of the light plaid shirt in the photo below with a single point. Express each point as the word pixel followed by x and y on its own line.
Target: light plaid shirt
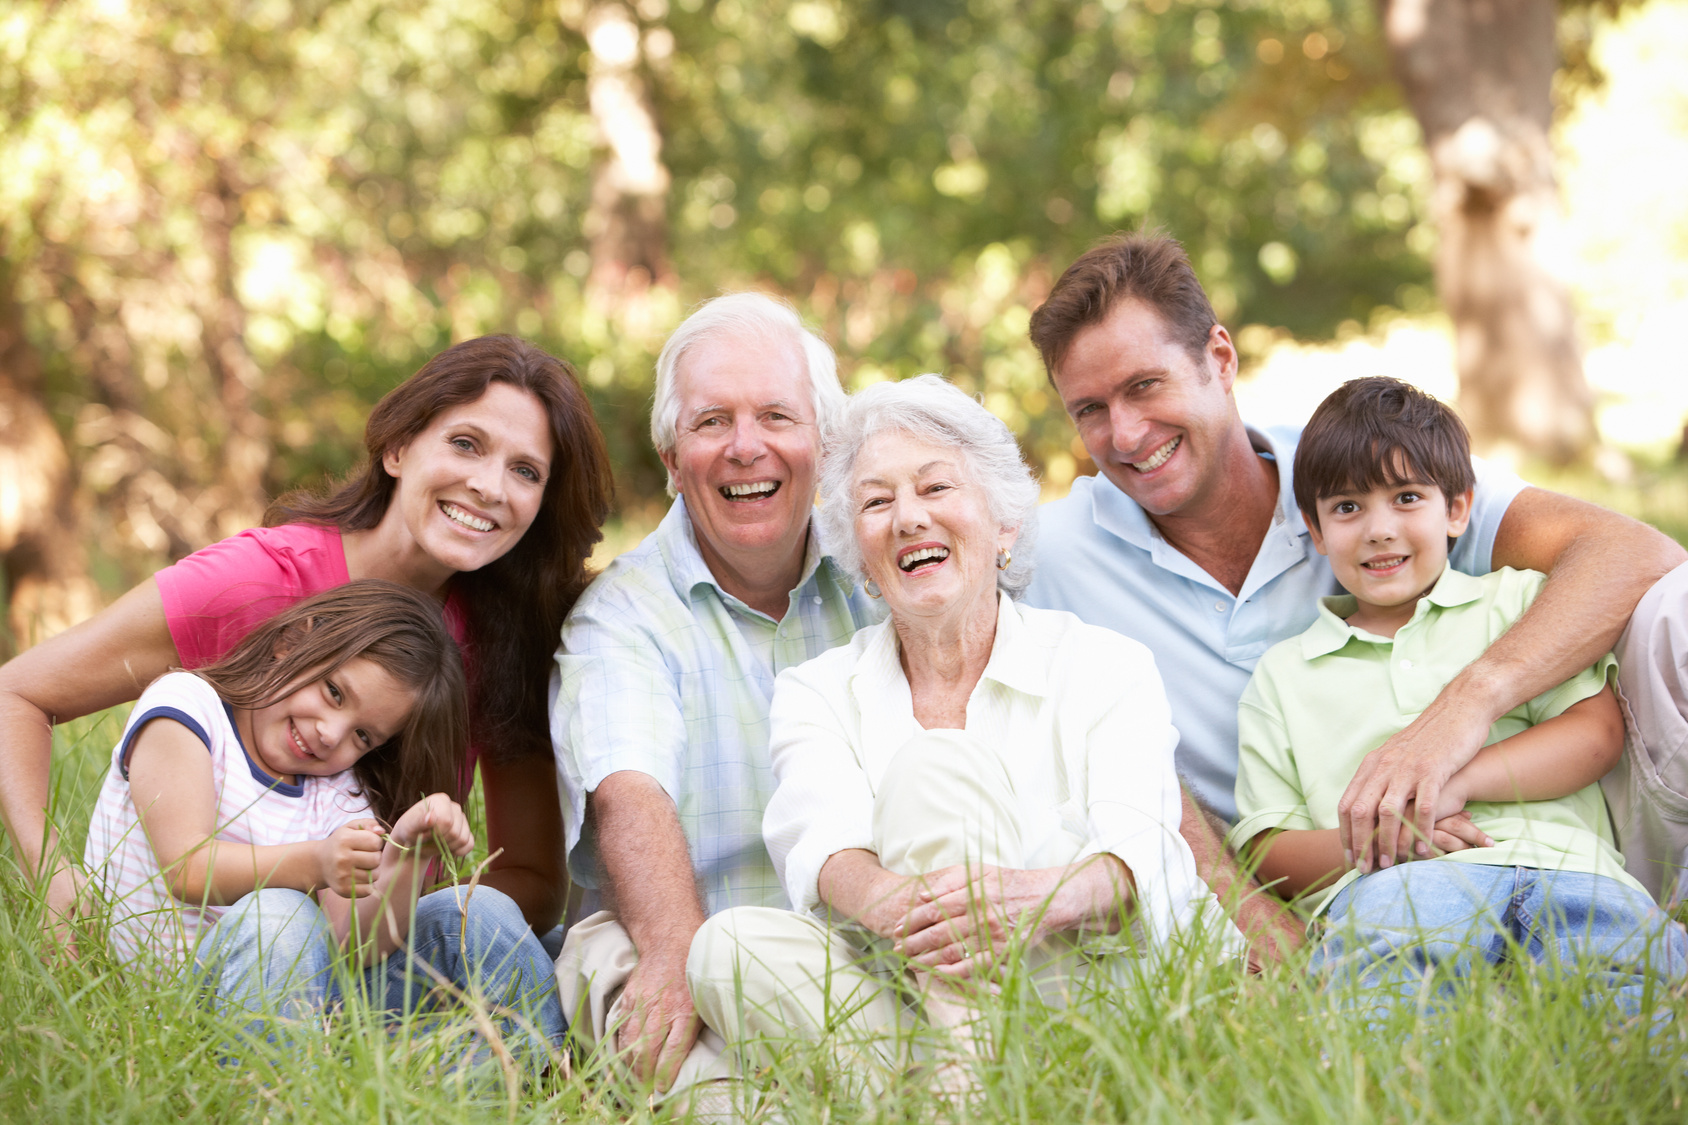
pixel 662 671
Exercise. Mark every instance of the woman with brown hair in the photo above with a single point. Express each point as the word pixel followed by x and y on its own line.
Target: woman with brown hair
pixel 486 485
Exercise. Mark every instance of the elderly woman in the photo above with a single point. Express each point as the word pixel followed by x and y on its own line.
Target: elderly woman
pixel 967 779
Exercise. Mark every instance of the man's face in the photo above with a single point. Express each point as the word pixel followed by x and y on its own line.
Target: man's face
pixel 1153 417
pixel 746 449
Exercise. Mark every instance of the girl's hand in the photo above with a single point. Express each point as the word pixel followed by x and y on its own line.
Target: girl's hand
pixel 435 825
pixel 347 860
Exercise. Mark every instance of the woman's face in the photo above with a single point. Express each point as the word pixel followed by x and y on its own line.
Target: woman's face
pixel 471 483
pixel 924 526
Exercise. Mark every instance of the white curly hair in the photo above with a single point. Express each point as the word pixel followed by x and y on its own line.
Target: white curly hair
pixel 932 409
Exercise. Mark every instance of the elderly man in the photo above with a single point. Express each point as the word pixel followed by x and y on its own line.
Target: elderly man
pixel 1189 541
pixel 666 671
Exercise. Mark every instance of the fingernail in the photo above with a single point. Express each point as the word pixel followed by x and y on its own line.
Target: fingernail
pixel 897 930
pixel 1384 860
pixel 1348 857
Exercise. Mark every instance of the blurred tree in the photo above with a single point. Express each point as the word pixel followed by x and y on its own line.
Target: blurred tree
pixel 1479 76
pixel 229 229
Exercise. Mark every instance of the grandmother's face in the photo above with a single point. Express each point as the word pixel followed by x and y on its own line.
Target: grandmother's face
pixel 924 526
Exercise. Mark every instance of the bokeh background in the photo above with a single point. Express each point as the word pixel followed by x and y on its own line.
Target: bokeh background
pixel 226 229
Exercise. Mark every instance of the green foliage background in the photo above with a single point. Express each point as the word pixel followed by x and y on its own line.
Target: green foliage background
pixel 305 200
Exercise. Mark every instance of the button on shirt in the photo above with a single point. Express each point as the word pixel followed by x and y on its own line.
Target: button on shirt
pixel 1320 702
pixel 664 672
pixel 1101 557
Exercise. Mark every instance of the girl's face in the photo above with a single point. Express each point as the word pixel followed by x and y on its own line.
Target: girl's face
pixel 471 483
pixel 325 726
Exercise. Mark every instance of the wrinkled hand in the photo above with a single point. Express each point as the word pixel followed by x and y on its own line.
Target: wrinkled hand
pixel 1407 772
pixel 435 825
pixel 966 918
pixel 658 1023
pixel 347 859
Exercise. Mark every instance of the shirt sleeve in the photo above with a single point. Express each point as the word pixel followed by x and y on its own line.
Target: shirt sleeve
pixel 1492 495
pixel 822 802
pixel 1133 801
pixel 617 707
pixel 215 596
pixel 1269 792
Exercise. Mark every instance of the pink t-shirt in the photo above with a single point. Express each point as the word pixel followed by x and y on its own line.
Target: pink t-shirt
pixel 220 593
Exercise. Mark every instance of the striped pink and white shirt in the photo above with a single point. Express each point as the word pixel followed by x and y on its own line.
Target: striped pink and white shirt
pixel 252 808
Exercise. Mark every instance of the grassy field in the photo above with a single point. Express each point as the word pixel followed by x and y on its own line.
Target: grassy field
pixel 83 1041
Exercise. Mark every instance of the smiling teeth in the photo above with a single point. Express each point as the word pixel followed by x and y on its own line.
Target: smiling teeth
pixel 1159 457
pixel 1382 564
pixel 460 516
pixel 909 561
pixel 293 732
pixel 759 488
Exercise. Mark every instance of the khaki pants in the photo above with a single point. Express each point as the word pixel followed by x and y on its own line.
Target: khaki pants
pixel 760 976
pixel 1647 790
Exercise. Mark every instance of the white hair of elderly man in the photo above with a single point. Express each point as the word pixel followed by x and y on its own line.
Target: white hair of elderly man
pixel 743 314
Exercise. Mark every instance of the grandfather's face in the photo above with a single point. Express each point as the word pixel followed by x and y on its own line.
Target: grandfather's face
pixel 746 449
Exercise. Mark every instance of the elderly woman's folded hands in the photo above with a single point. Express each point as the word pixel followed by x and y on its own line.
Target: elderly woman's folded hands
pixel 964 917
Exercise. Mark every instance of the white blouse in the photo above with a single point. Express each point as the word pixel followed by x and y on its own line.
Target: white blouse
pixel 1079 714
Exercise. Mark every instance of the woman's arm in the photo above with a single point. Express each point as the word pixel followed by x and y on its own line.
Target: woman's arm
pixel 524 829
pixel 100 663
pixel 380 921
pixel 171 784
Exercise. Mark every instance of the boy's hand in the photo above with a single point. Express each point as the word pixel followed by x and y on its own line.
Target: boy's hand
pixel 347 859
pixel 435 824
pixel 1455 832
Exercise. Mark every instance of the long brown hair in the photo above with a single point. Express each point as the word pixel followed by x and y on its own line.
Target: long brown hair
pixel 398 629
pixel 516 603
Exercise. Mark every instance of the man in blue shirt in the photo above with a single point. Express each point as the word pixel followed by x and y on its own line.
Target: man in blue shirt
pixel 1189 540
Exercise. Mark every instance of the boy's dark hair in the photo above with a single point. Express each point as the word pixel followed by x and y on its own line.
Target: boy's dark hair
pixel 1369 433
pixel 401 631
pixel 1148 266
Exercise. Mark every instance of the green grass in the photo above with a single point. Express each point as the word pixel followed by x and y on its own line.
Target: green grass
pixel 86 1041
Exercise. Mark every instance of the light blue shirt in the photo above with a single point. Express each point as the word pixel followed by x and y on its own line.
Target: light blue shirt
pixel 664 672
pixel 1100 557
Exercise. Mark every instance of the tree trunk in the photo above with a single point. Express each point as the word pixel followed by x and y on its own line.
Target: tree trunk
pixel 1478 75
pixel 246 445
pixel 42 561
pixel 627 222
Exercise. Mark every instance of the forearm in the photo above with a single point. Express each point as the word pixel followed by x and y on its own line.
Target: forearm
pixel 524 825
pixel 1262 920
pixel 1552 759
pixel 380 921
pixel 855 888
pixel 220 873
pixel 644 854
pixel 26 750
pixel 1596 575
pixel 1296 861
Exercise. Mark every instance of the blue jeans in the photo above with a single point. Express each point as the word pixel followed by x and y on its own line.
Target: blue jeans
pixel 273 954
pixel 1433 922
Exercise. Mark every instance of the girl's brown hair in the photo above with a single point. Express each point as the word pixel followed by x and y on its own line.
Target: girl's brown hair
pixel 404 633
pixel 516 603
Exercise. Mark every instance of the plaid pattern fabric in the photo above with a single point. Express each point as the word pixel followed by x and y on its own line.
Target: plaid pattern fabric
pixel 662 671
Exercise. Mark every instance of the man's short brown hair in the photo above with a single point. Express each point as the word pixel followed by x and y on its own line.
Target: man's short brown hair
pixel 1147 266
pixel 1376 432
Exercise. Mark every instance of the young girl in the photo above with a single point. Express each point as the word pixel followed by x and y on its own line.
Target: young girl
pixel 294 764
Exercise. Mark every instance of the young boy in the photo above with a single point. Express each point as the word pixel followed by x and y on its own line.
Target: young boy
pixel 1383 479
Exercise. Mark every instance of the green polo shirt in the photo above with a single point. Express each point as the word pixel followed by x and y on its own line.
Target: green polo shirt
pixel 1322 701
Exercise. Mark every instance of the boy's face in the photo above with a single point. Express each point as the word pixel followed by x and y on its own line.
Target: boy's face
pixel 1389 545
